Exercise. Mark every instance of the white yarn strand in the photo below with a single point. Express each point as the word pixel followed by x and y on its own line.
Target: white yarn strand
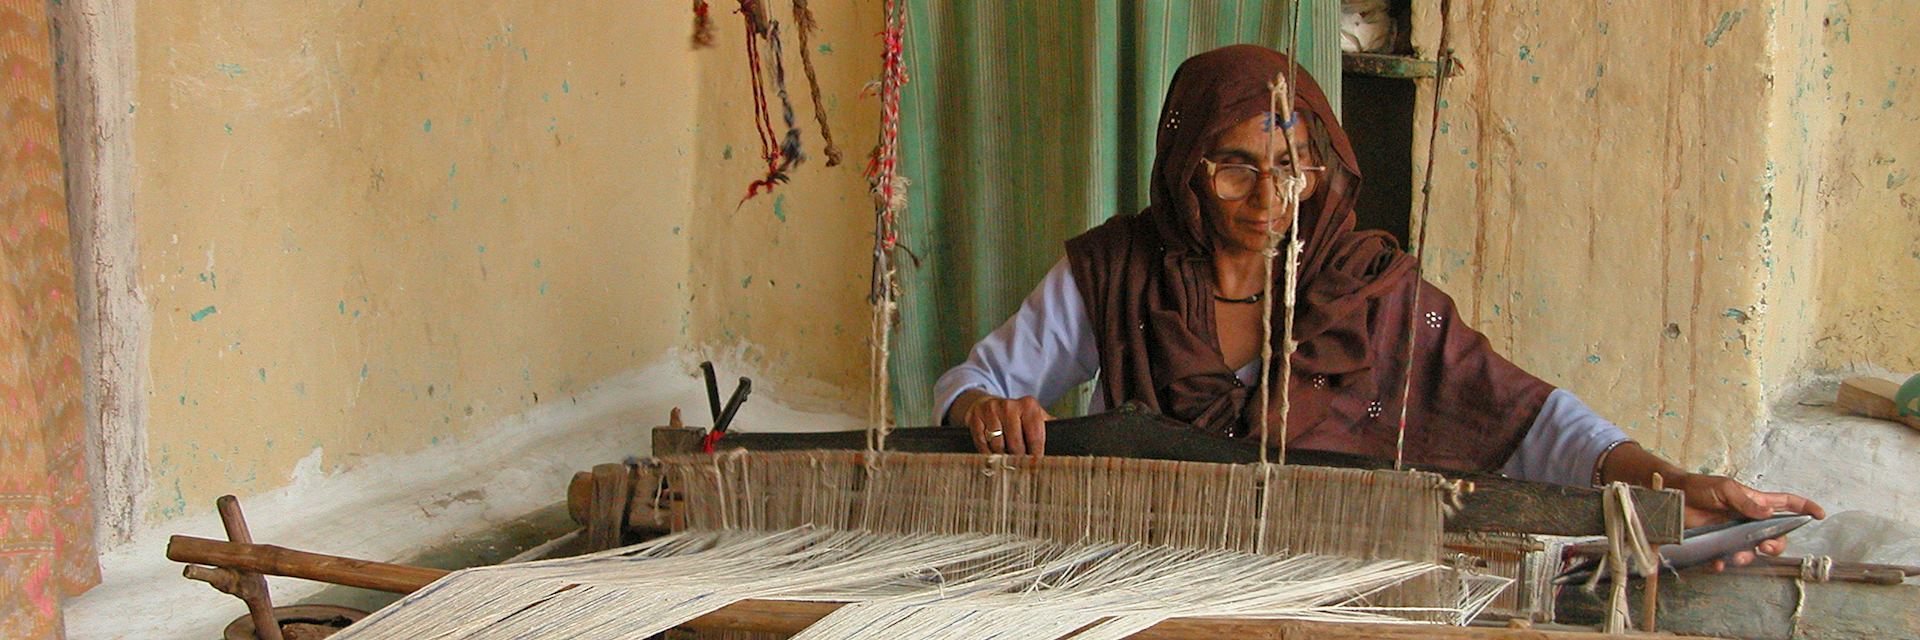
pixel 953 586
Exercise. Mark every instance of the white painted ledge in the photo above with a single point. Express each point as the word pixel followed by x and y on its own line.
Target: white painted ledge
pixel 1861 470
pixel 395 505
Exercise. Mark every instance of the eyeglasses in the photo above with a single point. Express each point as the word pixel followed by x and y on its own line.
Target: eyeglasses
pixel 1232 181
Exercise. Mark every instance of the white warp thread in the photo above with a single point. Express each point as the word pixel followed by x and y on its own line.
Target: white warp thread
pixel 898 585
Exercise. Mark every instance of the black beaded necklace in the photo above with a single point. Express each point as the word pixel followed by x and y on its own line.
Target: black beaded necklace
pixel 1247 300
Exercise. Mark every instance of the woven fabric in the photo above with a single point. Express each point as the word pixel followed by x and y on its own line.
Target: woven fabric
pixel 46 516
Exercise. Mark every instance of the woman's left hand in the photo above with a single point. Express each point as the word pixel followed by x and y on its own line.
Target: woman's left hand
pixel 1713 499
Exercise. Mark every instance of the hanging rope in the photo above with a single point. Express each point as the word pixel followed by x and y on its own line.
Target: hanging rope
pixel 1627 551
pixel 757 28
pixel 803 16
pixel 889 199
pixel 1420 241
pixel 1281 119
pixel 790 154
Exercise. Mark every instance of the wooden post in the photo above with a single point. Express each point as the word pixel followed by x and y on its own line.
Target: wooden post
pixel 607 518
pixel 248 584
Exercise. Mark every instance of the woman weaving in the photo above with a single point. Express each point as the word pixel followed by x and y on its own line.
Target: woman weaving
pixel 1164 308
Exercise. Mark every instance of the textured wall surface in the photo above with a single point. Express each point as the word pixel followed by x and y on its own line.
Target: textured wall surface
pixel 370 227
pixel 1598 201
pixel 1847 118
pixel 782 278
pixel 96 74
pixel 1680 214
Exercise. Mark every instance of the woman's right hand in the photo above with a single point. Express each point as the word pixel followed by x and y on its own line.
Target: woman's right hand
pixel 1004 425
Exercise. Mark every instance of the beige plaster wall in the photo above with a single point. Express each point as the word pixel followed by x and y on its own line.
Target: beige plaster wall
pixel 1600 188
pixel 781 279
pixel 1681 214
pixel 370 227
pixel 1847 122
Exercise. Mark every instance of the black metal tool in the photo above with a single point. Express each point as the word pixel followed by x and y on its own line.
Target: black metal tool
pixel 722 416
pixel 713 390
pixel 733 405
pixel 1700 546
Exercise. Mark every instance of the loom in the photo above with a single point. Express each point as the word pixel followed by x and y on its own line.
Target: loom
pixel 1105 538
pixel 925 544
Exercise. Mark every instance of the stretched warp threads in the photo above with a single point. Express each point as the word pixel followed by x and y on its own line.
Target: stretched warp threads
pixel 940 545
pixel 702 25
pixel 1420 241
pixel 1344 512
pixel 940 586
pixel 1531 561
pixel 803 16
pixel 1347 512
pixel 889 199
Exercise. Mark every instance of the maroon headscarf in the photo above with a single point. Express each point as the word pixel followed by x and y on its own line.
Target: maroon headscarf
pixel 1148 283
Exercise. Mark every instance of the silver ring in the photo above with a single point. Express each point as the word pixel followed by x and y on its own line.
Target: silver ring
pixel 995 433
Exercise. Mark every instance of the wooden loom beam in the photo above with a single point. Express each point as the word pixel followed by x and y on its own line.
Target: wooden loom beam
pixel 781 616
pixel 1497 504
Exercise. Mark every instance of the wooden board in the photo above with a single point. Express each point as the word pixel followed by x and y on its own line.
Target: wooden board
pixel 787 617
pixel 1873 398
pixel 1496 504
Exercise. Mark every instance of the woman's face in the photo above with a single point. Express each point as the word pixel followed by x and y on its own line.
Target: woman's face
pixel 1241 224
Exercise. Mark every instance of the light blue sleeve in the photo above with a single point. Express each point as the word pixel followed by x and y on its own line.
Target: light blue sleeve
pixel 1565 442
pixel 1044 350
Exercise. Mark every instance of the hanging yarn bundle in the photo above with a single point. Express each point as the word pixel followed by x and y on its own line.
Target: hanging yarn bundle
pixel 889 200
pixel 781 154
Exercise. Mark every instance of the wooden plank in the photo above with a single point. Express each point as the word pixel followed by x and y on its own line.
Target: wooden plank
pixel 787 617
pixel 1496 504
pixel 1873 398
pixel 1505 504
pixel 1388 66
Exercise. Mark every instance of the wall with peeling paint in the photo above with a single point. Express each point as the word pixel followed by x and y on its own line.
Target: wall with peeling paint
pixel 1847 121
pixel 370 228
pixel 781 278
pixel 1680 214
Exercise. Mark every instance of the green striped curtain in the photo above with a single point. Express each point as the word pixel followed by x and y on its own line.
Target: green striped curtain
pixel 1028 122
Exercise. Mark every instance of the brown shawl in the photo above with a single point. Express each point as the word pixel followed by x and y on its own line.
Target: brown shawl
pixel 1148 283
